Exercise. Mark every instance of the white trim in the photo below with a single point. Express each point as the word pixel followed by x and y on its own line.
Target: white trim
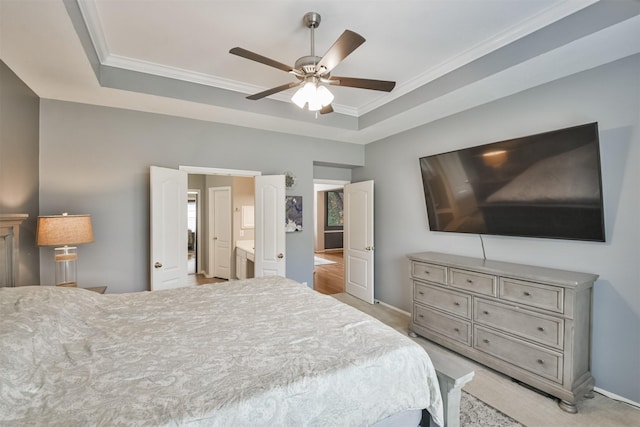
pixel 91 17
pixel 200 170
pixel 198 193
pixel 616 397
pixel 482 48
pixel 384 304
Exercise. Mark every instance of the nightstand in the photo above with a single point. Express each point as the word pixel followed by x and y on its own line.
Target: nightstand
pixel 98 289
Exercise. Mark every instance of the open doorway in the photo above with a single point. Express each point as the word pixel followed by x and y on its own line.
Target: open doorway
pixel 328 270
pixel 193 228
pixel 220 228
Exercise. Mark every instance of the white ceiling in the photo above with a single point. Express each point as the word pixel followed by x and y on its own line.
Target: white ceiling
pixel 171 56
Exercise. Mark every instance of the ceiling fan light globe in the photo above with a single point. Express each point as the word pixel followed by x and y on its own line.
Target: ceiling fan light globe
pixel 315 105
pixel 324 95
pixel 299 98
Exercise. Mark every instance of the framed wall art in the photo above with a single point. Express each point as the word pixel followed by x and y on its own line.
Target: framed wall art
pixel 293 214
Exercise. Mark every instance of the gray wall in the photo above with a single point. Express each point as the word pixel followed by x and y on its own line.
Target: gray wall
pixel 609 95
pixel 96 160
pixel 19 123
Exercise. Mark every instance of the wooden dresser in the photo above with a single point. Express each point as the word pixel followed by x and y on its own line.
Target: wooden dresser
pixel 530 323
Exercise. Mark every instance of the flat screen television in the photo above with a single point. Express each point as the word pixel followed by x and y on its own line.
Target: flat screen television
pixel 546 185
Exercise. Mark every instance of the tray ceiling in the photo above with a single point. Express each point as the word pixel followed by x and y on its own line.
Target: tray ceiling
pixel 172 57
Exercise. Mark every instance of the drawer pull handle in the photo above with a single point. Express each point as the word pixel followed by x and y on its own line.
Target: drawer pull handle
pixel 527 294
pixel 540 362
pixel 427 272
pixel 469 281
pixel 485 312
pixel 456 303
pixel 456 329
pixel 540 328
pixel 421 316
pixel 421 293
pixel 485 341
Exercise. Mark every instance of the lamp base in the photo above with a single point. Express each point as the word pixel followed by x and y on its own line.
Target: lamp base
pixel 66 266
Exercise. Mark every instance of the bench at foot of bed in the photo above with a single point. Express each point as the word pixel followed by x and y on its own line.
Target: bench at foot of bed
pixel 452 376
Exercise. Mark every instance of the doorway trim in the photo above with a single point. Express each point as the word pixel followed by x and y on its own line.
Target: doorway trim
pixel 198 248
pixel 200 170
pixel 326 184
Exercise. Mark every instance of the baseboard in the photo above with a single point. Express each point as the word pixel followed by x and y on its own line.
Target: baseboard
pixel 393 307
pixel 616 397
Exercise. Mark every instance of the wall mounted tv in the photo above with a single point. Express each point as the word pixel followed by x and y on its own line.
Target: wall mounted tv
pixel 547 185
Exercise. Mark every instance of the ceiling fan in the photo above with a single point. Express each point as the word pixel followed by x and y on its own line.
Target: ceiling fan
pixel 313 72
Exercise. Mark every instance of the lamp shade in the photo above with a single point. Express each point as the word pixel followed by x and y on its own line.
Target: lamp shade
pixel 57 230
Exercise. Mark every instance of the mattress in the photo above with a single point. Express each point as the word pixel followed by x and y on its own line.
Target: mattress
pixel 259 352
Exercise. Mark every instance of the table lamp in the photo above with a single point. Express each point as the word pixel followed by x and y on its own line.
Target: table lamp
pixel 64 231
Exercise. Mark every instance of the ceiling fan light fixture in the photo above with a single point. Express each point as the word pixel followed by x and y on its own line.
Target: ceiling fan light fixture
pixel 313 94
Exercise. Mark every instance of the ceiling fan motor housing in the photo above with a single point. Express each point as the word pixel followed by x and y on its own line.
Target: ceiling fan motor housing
pixel 307 64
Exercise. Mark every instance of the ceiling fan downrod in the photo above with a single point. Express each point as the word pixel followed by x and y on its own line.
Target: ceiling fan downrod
pixel 312 21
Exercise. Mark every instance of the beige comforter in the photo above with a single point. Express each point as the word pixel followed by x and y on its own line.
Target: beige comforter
pixel 259 352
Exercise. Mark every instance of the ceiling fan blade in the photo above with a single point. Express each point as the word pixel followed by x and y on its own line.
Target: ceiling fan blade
pixel 271 91
pixel 326 110
pixel 382 85
pixel 346 43
pixel 259 58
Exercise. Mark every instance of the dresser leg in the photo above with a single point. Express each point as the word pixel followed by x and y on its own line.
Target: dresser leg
pixel 568 406
pixel 589 394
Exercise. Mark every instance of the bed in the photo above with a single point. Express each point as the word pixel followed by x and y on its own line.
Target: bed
pixel 259 352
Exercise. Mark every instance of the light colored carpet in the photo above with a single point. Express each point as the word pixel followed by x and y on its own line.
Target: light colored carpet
pixel 321 261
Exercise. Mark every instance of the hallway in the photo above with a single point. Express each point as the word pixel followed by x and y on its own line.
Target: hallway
pixel 329 278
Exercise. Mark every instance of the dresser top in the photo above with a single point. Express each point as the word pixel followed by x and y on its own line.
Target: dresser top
pixel 521 271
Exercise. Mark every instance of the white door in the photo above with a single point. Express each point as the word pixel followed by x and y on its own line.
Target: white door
pixel 220 231
pixel 270 222
pixel 358 240
pixel 168 228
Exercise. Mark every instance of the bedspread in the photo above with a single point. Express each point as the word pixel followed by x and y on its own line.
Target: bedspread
pixel 259 352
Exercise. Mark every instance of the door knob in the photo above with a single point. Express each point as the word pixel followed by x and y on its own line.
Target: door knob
pixel 280 256
pixel 215 238
pixel 368 248
pixel 157 265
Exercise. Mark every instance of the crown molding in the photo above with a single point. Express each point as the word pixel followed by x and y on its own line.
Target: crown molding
pixel 554 13
pixel 484 47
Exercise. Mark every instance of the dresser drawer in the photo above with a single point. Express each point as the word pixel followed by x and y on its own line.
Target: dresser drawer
pixel 527 356
pixel 540 328
pixel 532 294
pixel 443 324
pixel 430 272
pixel 480 283
pixel 443 299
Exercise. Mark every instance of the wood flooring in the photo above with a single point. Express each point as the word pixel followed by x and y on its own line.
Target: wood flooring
pixel 329 279
pixel 200 279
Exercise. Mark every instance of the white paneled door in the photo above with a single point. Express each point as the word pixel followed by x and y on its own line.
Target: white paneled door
pixel 220 231
pixel 168 228
pixel 358 240
pixel 270 221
